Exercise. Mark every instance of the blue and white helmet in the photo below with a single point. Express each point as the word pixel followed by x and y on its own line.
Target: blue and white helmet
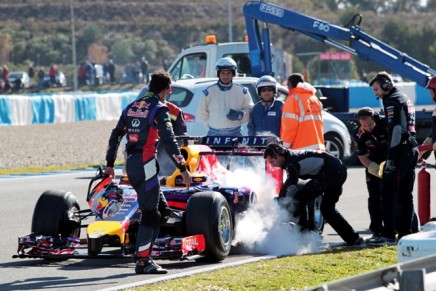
pixel 226 64
pixel 266 81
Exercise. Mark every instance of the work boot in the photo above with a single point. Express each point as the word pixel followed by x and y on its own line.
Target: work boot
pixel 148 266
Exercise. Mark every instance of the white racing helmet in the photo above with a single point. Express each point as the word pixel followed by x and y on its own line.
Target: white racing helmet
pixel 226 64
pixel 266 81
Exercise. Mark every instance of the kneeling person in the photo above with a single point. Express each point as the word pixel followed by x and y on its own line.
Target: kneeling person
pixel 325 174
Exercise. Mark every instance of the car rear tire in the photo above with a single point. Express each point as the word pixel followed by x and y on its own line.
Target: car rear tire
pixel 208 213
pixel 334 145
pixel 56 213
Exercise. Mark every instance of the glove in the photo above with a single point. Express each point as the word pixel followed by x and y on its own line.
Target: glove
pixel 291 191
pixel 390 165
pixel 434 147
pixel 374 169
pixel 427 140
pixel 382 168
pixel 235 114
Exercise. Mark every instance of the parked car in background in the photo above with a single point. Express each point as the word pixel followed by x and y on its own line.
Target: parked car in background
pixel 25 80
pixel 60 80
pixel 186 94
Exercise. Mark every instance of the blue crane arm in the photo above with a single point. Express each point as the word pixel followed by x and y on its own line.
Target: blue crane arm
pixel 351 39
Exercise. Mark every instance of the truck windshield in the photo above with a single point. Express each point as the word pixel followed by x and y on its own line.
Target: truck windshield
pixel 190 66
pixel 243 62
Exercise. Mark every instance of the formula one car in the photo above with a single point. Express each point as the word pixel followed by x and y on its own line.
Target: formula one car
pixel 201 224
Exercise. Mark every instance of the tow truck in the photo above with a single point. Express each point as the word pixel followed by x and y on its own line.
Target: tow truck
pixel 350 38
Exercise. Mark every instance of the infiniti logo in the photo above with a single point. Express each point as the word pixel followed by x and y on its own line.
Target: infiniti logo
pixel 135 122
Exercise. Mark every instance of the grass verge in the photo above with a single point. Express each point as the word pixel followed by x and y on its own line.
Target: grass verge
pixel 288 273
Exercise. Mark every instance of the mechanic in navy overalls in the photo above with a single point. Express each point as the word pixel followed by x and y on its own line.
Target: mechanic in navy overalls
pixel 402 156
pixel 370 142
pixel 325 175
pixel 143 121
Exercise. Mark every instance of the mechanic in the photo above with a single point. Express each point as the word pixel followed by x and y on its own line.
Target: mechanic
pixel 225 106
pixel 143 120
pixel 370 141
pixel 302 124
pixel 431 86
pixel 402 156
pixel 265 118
pixel 325 174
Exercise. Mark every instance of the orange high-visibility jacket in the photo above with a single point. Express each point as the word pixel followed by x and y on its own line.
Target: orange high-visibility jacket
pixel 302 125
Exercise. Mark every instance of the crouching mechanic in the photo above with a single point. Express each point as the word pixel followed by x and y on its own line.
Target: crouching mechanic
pixel 325 174
pixel 143 121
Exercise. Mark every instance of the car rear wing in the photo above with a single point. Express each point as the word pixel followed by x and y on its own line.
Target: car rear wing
pixel 229 142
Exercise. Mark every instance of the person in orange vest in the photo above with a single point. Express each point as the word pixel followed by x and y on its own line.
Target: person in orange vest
pixel 302 124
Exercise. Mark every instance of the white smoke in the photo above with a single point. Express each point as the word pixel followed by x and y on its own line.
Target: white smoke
pixel 264 227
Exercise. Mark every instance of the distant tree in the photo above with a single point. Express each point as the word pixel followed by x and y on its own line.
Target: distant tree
pixel 121 51
pixel 98 53
pixel 5 48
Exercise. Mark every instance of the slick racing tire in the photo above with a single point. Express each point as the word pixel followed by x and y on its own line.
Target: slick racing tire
pixel 208 213
pixel 56 213
pixel 315 218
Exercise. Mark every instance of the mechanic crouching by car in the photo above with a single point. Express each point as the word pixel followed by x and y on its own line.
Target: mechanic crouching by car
pixel 143 121
pixel 325 174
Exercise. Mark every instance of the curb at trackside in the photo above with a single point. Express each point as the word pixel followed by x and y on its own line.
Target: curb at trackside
pixel 189 273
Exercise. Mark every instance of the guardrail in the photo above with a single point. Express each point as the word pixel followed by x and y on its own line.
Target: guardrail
pixel 65 107
pixel 416 275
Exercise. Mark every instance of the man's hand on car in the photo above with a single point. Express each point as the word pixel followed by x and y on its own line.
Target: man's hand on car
pixel 235 114
pixel 110 172
pixel 186 176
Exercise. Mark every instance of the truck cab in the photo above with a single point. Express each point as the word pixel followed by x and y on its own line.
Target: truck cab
pixel 199 61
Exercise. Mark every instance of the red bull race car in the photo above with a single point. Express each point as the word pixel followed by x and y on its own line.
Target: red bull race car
pixel 201 224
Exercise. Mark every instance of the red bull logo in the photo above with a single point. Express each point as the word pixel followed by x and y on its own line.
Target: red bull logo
pixel 140 105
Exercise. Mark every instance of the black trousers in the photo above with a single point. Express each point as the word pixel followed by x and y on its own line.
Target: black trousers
pixel 374 185
pixel 397 197
pixel 329 184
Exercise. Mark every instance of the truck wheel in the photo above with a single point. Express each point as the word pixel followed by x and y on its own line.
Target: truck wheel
pixel 56 213
pixel 333 145
pixel 208 213
pixel 315 218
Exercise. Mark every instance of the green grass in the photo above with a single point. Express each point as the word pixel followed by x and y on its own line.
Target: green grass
pixel 288 272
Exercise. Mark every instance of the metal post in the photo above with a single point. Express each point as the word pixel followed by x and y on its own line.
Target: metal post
pixel 229 8
pixel 73 44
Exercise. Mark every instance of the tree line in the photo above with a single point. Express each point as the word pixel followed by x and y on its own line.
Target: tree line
pixel 126 31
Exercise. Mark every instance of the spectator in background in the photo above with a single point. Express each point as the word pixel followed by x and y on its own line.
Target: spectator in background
pixel 111 71
pixel 225 106
pixel 82 74
pixel 302 124
pixel 265 118
pixel 144 70
pixel 52 72
pixel 31 73
pixel 41 75
pixel 166 64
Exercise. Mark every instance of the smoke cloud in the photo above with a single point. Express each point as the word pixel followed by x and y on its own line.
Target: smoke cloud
pixel 265 227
